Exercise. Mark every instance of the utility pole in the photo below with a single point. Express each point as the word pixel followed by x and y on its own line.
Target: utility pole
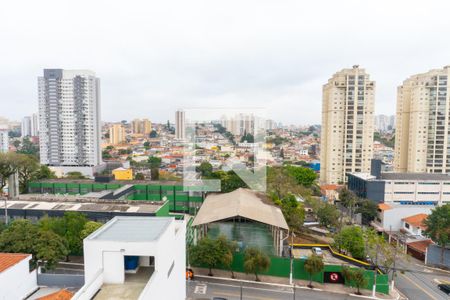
pixel 241 291
pixel 375 272
pixel 292 258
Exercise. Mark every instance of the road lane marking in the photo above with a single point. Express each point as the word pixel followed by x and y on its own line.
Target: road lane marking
pixel 200 289
pixel 421 288
pixel 244 296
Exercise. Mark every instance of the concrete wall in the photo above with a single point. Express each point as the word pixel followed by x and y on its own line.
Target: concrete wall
pixel 17 282
pixel 433 256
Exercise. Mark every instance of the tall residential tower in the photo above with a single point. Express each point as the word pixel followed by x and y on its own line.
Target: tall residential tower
pixel 69 118
pixel 347 125
pixel 422 130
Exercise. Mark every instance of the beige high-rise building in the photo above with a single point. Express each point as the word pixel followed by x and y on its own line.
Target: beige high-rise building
pixel 422 130
pixel 143 126
pixel 146 126
pixel 117 134
pixel 347 125
pixel 180 126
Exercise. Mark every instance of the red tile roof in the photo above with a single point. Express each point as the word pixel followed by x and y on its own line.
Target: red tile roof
pixel 7 260
pixel 420 246
pixel 59 295
pixel 384 206
pixel 416 220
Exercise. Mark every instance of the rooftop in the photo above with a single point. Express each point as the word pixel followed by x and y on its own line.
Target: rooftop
pixel 416 220
pixel 7 260
pixel 415 176
pixel 81 204
pixel 240 203
pixel 132 229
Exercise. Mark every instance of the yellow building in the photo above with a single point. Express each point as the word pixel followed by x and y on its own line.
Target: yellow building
pixel 117 134
pixel 123 174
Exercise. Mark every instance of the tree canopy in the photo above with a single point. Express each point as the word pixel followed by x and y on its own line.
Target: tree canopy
pixel 438 227
pixel 21 236
pixel 303 176
pixel 255 261
pixel 351 240
pixel 313 264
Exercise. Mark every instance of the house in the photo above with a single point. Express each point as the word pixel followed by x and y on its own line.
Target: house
pixel 414 224
pixel 135 258
pixel 330 192
pixel 123 174
pixel 16 279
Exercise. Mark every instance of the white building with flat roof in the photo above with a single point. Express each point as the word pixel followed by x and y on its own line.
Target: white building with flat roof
pixel 135 258
pixel 16 279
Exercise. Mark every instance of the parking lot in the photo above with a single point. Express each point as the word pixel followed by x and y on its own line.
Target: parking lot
pixel 327 256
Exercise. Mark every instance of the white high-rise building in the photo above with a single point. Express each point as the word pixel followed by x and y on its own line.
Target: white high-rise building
pixel 422 129
pixel 30 125
pixel 180 125
pixel 26 126
pixel 4 139
pixel 69 118
pixel 347 125
pixel 384 122
pixel 34 125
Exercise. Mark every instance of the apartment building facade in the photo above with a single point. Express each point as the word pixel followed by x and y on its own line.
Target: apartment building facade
pixel 423 116
pixel 347 125
pixel 69 118
pixel 117 134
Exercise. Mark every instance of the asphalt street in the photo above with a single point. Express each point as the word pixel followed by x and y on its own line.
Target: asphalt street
pixel 418 282
pixel 210 288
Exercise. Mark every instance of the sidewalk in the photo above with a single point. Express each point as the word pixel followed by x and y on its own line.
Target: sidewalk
pixel 284 282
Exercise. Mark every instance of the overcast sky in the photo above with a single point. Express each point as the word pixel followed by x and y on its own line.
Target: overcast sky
pixel 154 57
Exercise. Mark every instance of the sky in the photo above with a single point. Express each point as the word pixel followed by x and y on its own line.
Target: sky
pixel 154 57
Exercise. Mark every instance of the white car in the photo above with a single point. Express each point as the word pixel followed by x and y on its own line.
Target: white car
pixel 317 251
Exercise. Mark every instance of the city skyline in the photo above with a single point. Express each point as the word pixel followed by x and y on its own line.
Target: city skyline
pixel 226 56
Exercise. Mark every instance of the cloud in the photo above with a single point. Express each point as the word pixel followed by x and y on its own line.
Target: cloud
pixel 156 56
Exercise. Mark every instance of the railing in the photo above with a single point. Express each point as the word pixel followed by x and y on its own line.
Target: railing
pixel 88 290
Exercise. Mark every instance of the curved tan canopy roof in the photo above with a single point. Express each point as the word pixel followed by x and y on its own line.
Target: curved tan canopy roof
pixel 243 203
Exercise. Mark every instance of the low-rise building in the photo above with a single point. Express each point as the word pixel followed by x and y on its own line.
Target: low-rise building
pixel 16 279
pixel 123 174
pixel 401 188
pixel 135 258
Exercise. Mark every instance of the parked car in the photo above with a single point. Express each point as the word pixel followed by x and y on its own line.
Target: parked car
pixel 445 288
pixel 317 251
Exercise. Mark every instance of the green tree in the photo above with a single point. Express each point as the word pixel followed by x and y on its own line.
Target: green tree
pixel 207 253
pixel 303 176
pixel 153 134
pixel 280 183
pixel 22 236
pixel 328 215
pixel 139 176
pixel 147 145
pixel 438 227
pixel 8 166
pixel 351 240
pixel 106 155
pixel 368 210
pixel 27 167
pixel 205 169
pixel 255 261
pixel 68 227
pixel 293 211
pixel 154 163
pixel 88 228
pixel 28 148
pixel 248 137
pixel 229 181
pixel 313 264
pixel 359 279
pixel 227 247
pixel 348 200
pixel 44 172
